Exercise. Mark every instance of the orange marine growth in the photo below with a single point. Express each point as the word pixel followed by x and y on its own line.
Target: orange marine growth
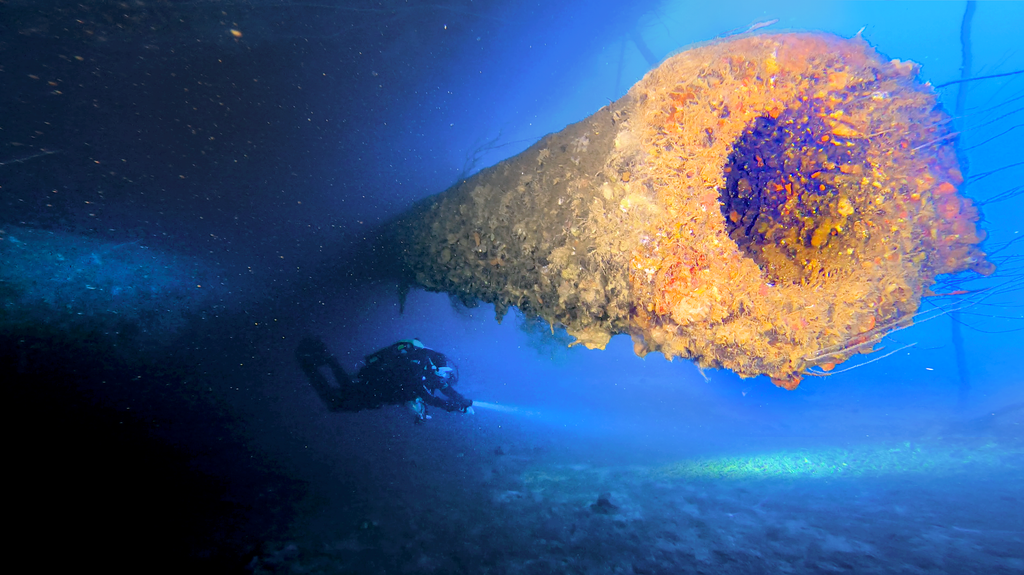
pixel 762 203
pixel 823 158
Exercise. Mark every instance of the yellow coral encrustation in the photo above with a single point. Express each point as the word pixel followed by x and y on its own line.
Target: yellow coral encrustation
pixel 763 204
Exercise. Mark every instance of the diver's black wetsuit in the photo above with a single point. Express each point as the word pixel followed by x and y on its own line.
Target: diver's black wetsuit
pixel 405 371
pixel 396 374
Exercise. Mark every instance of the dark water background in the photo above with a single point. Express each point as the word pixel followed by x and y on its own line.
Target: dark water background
pixel 175 200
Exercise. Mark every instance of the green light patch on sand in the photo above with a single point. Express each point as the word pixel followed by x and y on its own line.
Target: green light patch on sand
pixel 858 461
pixel 869 460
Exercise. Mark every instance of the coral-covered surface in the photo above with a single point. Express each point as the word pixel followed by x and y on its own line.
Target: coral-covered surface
pixel 764 204
pixel 809 195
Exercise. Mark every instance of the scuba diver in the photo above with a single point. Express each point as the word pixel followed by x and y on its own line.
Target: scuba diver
pixel 405 372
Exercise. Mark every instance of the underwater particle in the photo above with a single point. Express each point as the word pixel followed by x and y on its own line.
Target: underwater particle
pixel 777 213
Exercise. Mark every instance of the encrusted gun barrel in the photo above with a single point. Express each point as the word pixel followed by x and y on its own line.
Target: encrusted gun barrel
pixel 763 204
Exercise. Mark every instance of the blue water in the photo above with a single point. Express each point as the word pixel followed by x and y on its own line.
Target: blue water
pixel 182 185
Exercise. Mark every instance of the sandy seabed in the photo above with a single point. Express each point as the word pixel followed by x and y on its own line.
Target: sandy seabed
pixel 900 507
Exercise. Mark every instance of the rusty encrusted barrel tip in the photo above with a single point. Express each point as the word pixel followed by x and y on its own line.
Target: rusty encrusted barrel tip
pixel 763 204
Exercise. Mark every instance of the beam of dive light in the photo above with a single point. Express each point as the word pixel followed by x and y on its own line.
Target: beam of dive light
pixel 561 418
pixel 558 418
pixel 504 408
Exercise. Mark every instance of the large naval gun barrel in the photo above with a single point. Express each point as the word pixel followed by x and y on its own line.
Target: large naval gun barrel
pixel 764 204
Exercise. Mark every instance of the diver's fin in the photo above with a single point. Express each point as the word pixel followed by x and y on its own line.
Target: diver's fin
pixel 312 352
